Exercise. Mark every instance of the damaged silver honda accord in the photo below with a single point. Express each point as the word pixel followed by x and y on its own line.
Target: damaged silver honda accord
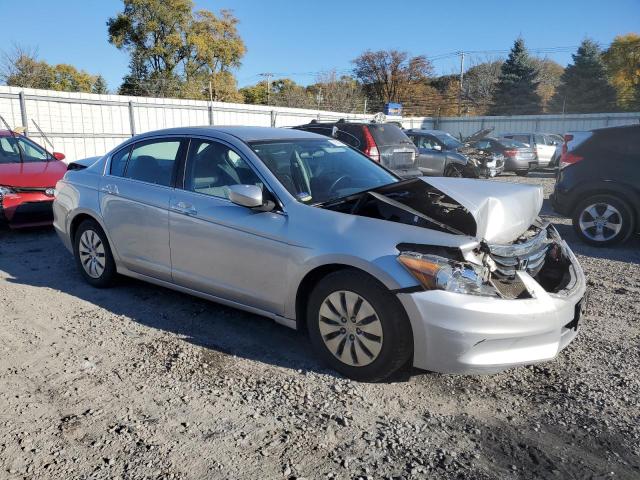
pixel 449 275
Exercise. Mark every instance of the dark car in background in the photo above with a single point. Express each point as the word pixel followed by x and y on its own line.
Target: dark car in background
pixel 383 142
pixel 443 154
pixel 518 157
pixel 598 184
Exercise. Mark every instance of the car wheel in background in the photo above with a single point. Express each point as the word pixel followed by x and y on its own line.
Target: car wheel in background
pixel 522 173
pixel 603 220
pixel 453 170
pixel 93 255
pixel 358 327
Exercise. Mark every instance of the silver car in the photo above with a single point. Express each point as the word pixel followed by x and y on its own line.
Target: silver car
pixel 446 274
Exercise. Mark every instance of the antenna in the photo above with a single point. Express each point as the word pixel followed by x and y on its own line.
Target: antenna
pixel 43 135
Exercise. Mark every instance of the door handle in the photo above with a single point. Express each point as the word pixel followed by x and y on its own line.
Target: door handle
pixel 110 188
pixel 184 208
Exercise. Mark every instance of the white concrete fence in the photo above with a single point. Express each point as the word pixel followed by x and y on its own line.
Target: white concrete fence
pixel 83 125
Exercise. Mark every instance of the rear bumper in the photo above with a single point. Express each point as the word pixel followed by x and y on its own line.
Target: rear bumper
pixel 512 164
pixel 26 210
pixel 456 333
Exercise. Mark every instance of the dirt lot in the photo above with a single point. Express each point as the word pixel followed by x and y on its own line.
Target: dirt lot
pixel 142 382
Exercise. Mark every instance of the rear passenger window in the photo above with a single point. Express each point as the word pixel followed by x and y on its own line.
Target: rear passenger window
pixel 119 162
pixel 153 161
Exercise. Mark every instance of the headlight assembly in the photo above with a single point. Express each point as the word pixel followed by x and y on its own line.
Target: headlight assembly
pixel 439 273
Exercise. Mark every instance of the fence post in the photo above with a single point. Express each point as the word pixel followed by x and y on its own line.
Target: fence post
pixel 211 115
pixel 132 119
pixel 23 113
pixel 273 118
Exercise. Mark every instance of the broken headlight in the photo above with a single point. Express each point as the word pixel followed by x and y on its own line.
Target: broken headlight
pixel 439 273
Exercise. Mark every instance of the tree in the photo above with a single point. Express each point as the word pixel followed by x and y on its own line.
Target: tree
pixel 622 59
pixel 516 91
pixel 548 78
pixel 480 83
pixel 338 94
pixel 100 85
pixel 21 68
pixel 584 86
pixel 388 74
pixel 176 51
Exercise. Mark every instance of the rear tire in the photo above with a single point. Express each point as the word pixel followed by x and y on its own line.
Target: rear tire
pixel 603 220
pixel 366 342
pixel 522 173
pixel 93 255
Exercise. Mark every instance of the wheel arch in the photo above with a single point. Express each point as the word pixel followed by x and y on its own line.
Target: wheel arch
pixel 80 217
pixel 317 273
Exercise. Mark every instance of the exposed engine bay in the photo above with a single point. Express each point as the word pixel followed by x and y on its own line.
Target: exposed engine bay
pixel 538 251
pixel 412 202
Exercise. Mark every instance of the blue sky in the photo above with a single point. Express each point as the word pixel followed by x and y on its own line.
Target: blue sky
pixel 296 38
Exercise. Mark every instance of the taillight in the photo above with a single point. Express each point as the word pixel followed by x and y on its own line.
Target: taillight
pixel 510 153
pixel 567 139
pixel 569 158
pixel 370 147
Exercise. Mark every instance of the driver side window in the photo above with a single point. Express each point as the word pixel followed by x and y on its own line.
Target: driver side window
pixel 426 143
pixel 212 167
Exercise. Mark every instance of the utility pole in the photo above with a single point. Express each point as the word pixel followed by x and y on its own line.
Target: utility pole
pixel 461 79
pixel 319 97
pixel 210 92
pixel 268 77
pixel 365 106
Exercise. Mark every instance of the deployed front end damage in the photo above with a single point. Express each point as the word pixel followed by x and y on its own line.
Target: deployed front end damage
pixel 512 295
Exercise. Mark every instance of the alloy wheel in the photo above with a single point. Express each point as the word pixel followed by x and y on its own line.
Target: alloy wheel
pixel 350 328
pixel 600 222
pixel 92 255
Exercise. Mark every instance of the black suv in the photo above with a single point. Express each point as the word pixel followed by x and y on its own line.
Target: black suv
pixel 598 184
pixel 383 142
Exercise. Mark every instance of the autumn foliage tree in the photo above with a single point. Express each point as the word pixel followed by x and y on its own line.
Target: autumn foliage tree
pixel 176 51
pixel 622 59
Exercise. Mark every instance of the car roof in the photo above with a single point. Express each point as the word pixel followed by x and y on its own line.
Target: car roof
pixel 246 134
pixel 427 131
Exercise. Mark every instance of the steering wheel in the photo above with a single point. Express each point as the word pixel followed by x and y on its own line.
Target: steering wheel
pixel 337 182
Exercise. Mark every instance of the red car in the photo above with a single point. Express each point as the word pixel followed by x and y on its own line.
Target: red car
pixel 28 175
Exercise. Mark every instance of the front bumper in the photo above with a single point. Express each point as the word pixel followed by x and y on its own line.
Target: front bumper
pixel 456 333
pixel 26 210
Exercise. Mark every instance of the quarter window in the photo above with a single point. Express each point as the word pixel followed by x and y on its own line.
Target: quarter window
pixel 212 167
pixel 119 162
pixel 153 161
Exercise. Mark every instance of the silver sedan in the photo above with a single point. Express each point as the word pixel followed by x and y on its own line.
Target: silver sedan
pixel 449 275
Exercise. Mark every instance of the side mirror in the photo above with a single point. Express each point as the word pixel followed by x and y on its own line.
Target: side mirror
pixel 437 147
pixel 59 156
pixel 246 195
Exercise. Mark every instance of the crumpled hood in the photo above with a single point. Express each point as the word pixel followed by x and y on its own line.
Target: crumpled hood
pixel 502 211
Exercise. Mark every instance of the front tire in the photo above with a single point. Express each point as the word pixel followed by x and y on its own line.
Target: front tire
pixel 453 170
pixel 603 220
pixel 358 327
pixel 93 255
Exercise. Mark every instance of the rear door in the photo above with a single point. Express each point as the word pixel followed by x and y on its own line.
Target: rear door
pixel 134 200
pixel 544 149
pixel 431 160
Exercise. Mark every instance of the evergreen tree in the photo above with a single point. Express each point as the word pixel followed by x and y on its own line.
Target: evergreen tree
pixel 516 91
pixel 584 86
pixel 100 85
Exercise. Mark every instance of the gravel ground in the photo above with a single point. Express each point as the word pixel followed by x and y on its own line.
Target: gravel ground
pixel 142 382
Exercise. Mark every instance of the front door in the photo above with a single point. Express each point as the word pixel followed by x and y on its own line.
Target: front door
pixel 432 158
pixel 134 200
pixel 221 248
pixel 544 149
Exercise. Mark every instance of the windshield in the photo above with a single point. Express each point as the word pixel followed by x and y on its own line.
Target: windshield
pixel 505 142
pixel 449 140
pixel 318 171
pixel 31 152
